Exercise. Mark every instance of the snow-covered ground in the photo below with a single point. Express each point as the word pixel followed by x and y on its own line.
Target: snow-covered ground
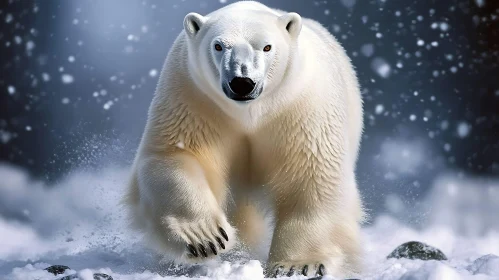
pixel 78 222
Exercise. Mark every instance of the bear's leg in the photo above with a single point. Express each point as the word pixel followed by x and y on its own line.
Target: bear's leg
pixel 181 209
pixel 251 226
pixel 313 236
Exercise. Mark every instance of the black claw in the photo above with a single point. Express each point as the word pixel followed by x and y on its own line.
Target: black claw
pixel 202 249
pixel 213 248
pixel 279 271
pixel 291 271
pixel 322 270
pixel 224 234
pixel 192 250
pixel 219 240
pixel 305 270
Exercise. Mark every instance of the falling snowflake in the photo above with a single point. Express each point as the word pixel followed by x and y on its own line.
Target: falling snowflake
pixel 11 90
pixel 153 73
pixel 463 129
pixel 8 18
pixel 444 26
pixel 45 77
pixel 67 79
pixel 381 67
pixel 379 109
pixel 108 105
pixel 367 50
pixel 480 3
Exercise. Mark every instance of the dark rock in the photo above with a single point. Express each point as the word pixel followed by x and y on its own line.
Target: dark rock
pixel 69 277
pixel 97 276
pixel 102 276
pixel 415 250
pixel 320 278
pixel 57 269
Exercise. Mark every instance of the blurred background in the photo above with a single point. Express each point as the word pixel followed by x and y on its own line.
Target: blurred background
pixel 77 78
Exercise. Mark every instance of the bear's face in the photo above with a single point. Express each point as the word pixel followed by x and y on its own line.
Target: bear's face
pixel 241 56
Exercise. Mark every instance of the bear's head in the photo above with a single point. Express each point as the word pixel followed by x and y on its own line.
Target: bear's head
pixel 239 56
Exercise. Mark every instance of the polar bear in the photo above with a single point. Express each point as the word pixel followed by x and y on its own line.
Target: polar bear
pixel 253 104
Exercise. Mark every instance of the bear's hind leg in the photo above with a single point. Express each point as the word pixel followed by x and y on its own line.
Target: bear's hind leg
pixel 251 226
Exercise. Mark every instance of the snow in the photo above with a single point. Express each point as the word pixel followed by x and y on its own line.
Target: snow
pixel 381 67
pixel 488 264
pixel 30 45
pixel 78 222
pixel 480 3
pixel 45 77
pixel 108 105
pixel 18 40
pixel 367 50
pixel 153 73
pixel 463 129
pixel 11 90
pixel 67 79
pixel 8 18
pixel 444 26
pixel 5 136
pixel 348 3
pixel 447 147
pixel 379 109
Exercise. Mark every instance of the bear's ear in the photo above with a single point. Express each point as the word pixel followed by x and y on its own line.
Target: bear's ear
pixel 193 22
pixel 292 23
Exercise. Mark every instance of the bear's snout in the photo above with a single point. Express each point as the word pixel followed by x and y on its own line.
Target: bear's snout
pixel 242 86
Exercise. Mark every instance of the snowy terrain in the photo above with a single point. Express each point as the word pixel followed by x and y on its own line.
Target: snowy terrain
pixel 79 223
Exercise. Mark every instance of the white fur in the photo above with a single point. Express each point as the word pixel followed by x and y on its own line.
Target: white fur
pixel 205 161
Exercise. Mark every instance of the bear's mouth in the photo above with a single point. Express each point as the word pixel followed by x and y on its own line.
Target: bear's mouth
pixel 246 96
pixel 243 98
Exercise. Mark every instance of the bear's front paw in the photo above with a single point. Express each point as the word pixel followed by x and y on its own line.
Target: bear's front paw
pixel 289 269
pixel 202 238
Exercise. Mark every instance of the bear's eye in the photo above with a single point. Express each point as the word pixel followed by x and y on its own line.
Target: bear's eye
pixel 267 48
pixel 218 47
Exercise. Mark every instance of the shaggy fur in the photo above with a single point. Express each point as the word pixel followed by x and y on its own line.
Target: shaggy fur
pixel 205 160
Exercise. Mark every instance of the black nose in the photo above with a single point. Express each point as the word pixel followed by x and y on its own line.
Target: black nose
pixel 242 86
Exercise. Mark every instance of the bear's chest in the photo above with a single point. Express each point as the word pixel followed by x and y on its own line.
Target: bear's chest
pixel 257 158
